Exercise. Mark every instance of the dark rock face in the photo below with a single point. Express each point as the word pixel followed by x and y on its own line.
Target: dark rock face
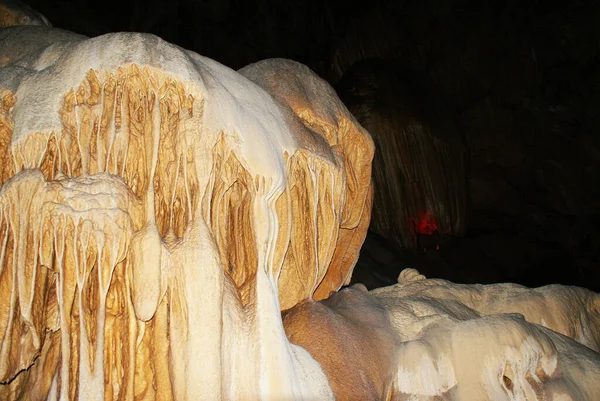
pixel 419 169
pixel 519 79
pixel 524 90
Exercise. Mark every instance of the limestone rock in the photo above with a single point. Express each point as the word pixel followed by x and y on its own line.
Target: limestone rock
pixel 433 340
pixel 158 210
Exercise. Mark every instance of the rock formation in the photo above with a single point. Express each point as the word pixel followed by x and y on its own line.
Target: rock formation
pixel 432 340
pixel 158 210
pixel 495 342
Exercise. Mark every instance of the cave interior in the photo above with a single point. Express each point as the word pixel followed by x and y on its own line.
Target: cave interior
pixel 513 84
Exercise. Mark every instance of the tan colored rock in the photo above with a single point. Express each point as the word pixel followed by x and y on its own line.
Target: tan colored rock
pixel 158 210
pixel 316 115
pixel 351 336
pixel 432 340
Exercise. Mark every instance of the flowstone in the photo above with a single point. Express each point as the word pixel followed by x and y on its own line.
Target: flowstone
pixel 157 212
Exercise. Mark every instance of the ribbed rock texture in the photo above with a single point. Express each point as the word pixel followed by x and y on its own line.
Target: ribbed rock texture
pixel 420 164
pixel 158 210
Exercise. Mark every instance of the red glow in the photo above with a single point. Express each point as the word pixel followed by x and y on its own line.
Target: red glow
pixel 425 224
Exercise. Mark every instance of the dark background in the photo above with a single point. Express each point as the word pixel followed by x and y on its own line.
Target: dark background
pixel 520 80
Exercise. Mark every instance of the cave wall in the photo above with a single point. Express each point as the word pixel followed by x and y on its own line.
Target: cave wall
pixel 521 83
